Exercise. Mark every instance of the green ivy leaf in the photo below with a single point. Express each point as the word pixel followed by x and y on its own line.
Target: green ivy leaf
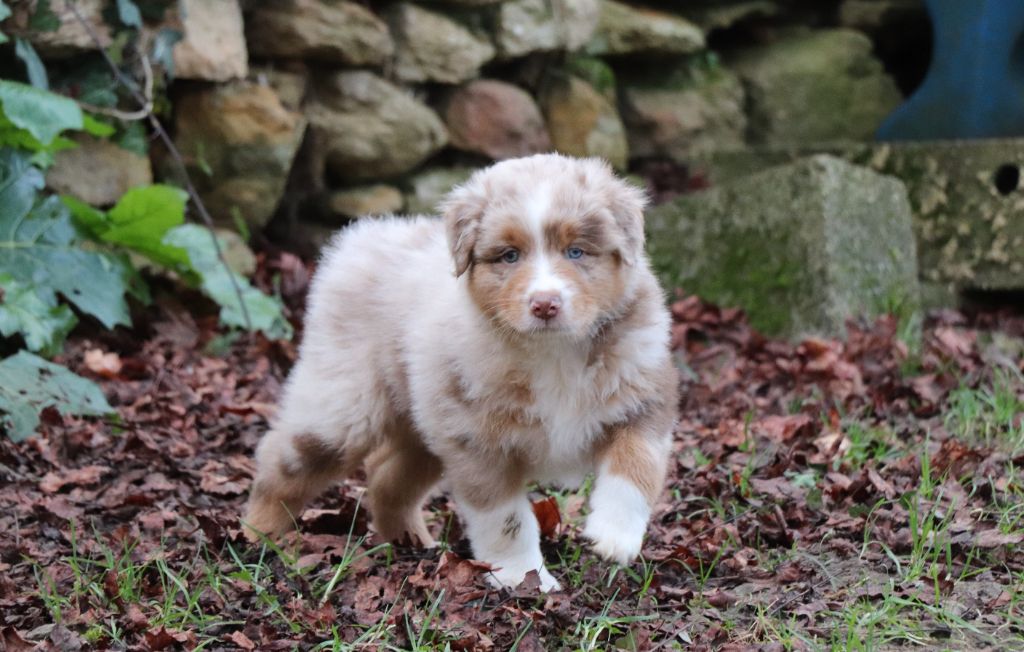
pixel 215 281
pixel 38 319
pixel 96 127
pixel 5 13
pixel 129 14
pixel 43 19
pixel 39 247
pixel 142 218
pixel 91 220
pixel 88 79
pixel 30 384
pixel 134 139
pixel 33 64
pixel 42 113
pixel 163 49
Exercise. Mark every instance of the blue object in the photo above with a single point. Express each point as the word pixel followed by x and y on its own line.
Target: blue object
pixel 975 85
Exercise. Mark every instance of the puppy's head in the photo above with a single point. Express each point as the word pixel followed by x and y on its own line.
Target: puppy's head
pixel 548 242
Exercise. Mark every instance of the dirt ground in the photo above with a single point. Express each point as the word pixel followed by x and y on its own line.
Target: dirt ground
pixel 856 494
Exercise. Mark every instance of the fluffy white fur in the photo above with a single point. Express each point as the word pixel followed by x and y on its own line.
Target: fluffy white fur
pixel 421 354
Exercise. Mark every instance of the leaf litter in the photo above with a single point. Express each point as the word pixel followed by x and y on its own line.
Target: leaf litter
pixel 813 485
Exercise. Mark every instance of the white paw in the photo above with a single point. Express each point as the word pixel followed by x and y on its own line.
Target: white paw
pixel 615 539
pixel 511 578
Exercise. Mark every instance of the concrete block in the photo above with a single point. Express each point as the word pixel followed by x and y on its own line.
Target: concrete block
pixel 967 199
pixel 801 247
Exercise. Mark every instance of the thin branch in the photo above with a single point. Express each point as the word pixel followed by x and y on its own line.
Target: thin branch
pixel 126 116
pixel 145 102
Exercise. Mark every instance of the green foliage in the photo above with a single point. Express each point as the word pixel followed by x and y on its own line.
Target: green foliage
pixel 33 64
pixel 5 12
pixel 150 221
pixel 37 317
pixel 216 282
pixel 42 114
pixel 43 19
pixel 129 13
pixel 29 384
pixel 87 78
pixel 139 222
pixel 163 48
pixel 41 247
pixel 56 253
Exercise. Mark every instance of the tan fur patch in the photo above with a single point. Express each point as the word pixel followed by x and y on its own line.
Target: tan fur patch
pixel 485 481
pixel 506 417
pixel 317 456
pixel 629 447
pixel 401 473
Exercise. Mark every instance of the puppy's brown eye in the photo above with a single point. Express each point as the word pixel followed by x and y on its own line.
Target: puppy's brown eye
pixel 510 256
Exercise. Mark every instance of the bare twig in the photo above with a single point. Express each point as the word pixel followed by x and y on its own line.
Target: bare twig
pixel 145 102
pixel 129 116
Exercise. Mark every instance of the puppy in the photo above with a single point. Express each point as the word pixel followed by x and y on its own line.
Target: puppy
pixel 521 338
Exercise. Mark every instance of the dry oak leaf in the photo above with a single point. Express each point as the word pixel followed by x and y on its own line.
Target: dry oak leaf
pixel 548 516
pixel 241 640
pixel 53 482
pixel 783 428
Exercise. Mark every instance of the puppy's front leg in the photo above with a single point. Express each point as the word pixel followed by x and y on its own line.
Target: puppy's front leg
pixel 502 531
pixel 630 475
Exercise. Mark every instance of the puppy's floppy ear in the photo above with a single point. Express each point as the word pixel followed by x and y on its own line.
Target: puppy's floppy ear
pixel 627 203
pixel 462 210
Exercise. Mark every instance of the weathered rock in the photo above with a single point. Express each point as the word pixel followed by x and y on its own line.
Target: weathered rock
pixel 712 15
pixel 432 47
pixel 289 79
pixel 873 15
pixel 369 128
pixel 213 47
pixel 815 87
pixel 595 72
pixel 525 26
pixel 582 122
pixel 465 3
pixel 68 40
pixel 683 114
pixel 426 189
pixel 968 199
pixel 802 248
pixel 496 119
pixel 631 30
pixel 333 31
pixel 340 206
pixel 244 136
pixel 966 196
pixel 98 171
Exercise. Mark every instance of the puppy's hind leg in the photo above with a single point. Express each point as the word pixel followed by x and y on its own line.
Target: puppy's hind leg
pixel 292 469
pixel 322 435
pixel 401 474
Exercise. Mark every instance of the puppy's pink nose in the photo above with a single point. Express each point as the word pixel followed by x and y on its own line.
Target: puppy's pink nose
pixel 545 305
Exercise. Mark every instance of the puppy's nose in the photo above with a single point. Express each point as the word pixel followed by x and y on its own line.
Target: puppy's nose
pixel 545 305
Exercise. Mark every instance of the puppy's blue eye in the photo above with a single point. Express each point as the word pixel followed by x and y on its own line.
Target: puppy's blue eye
pixel 573 253
pixel 510 256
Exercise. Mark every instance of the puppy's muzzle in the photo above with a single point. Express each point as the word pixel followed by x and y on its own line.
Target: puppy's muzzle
pixel 545 305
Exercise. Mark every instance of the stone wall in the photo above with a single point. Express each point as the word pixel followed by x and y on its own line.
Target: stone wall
pixel 304 114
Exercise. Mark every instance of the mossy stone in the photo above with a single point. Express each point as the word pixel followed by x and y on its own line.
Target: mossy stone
pixel 967 199
pixel 802 247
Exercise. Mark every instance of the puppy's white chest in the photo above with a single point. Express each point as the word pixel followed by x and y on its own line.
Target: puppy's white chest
pixel 567 406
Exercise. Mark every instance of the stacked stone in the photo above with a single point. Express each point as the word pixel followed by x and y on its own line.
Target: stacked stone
pixel 350 109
